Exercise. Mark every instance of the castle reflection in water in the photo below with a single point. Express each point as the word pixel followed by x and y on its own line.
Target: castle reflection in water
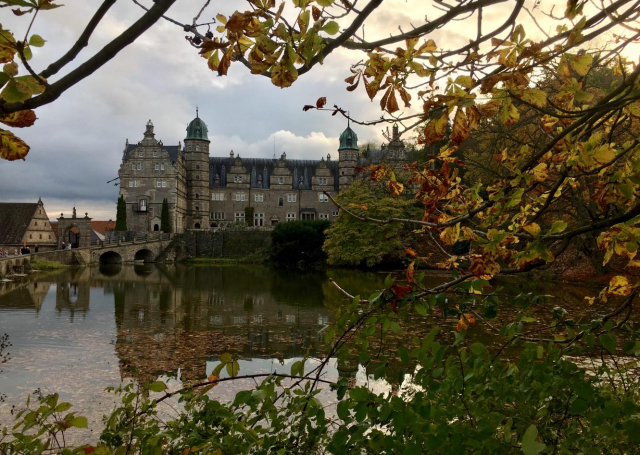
pixel 181 317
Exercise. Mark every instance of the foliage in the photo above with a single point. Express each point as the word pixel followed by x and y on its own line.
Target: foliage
pixel 43 264
pixel 353 242
pixel 296 241
pixel 248 215
pixel 165 221
pixel 121 215
pixel 4 356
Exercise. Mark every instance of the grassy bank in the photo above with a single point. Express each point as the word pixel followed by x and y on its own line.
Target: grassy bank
pixel 43 264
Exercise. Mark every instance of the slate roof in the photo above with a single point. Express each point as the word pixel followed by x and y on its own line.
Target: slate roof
pixel 264 168
pixel 172 149
pixel 14 221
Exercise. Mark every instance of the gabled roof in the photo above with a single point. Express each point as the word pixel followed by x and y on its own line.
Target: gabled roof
pixel 264 168
pixel 171 149
pixel 14 221
pixel 103 226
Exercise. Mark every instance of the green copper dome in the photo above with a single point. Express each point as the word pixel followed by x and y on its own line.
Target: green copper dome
pixel 348 140
pixel 197 130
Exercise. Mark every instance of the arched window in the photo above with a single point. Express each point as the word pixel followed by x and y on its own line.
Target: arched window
pixel 197 208
pixel 197 196
pixel 156 228
pixel 196 226
pixel 280 202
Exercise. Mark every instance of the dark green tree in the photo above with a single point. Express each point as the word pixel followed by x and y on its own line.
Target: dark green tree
pixel 121 215
pixel 165 222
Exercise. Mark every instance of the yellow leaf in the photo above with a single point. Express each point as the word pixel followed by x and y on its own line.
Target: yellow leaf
pixel 12 147
pixel 534 96
pixel 581 64
pixel 428 46
pixel 540 172
pixel 619 285
pixel 460 131
pixel 395 187
pixel 533 229
pixel 19 119
pixel 450 234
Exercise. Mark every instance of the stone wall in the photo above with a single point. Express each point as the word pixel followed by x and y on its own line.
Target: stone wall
pixel 225 243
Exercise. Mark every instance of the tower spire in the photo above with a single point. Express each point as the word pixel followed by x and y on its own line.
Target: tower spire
pixel 197 116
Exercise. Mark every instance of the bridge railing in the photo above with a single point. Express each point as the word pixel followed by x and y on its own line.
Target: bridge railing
pixel 132 238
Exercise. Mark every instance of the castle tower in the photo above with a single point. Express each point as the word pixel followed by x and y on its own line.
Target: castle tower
pixel 348 157
pixel 196 152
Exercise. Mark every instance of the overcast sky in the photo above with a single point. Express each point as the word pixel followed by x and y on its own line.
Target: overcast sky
pixel 77 142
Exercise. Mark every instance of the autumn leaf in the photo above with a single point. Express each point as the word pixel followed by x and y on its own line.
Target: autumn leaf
pixel 212 378
pixel 411 271
pixel 401 291
pixel 540 172
pixel 581 64
pixel 7 49
pixel 395 187
pixel 535 97
pixel 283 73
pixel 450 234
pixel 619 285
pixel 12 147
pixel 411 252
pixel 484 266
pixel 533 229
pixel 19 119
pixel 321 102
pixel 378 172
pixel 460 131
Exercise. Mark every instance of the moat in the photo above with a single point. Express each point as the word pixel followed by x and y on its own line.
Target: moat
pixel 77 331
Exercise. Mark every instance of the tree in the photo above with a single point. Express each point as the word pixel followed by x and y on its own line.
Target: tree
pixel 165 221
pixel 569 168
pixel 121 215
pixel 296 241
pixel 353 242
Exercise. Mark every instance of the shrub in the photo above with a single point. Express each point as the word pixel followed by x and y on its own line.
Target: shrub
pixel 296 241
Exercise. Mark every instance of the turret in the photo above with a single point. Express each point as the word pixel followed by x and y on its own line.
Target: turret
pixel 196 146
pixel 348 157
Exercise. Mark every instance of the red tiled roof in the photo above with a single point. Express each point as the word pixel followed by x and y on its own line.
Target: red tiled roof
pixel 103 226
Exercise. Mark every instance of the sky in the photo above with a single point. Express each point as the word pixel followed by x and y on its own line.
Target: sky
pixel 77 141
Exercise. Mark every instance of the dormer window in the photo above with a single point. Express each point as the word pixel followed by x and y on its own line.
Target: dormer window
pixel 281 180
pixel 349 142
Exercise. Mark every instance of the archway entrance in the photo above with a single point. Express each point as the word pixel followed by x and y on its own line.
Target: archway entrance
pixel 144 256
pixel 156 227
pixel 74 231
pixel 196 226
pixel 110 257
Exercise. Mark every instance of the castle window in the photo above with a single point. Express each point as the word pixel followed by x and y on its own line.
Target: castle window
pixel 155 153
pixel 189 147
pixel 198 166
pixel 197 208
pixel 141 154
pixel 334 213
pixel 291 197
pixel 133 166
pixel 349 142
pixel 164 184
pixel 323 197
pixel 162 166
pixel 240 196
pixel 139 166
pixel 197 196
pixel 142 205
pixel 259 197
pixel 323 181
pixel 291 216
pixel 280 202
pixel 157 166
pixel 237 179
pixel 49 237
pixel 323 216
pixel 197 177
pixel 40 236
pixel 133 183
pixel 30 236
pixel 158 183
pixel 196 226
pixel 197 147
pixel 36 223
pixel 281 180
pixel 258 219
pixel 217 196
pixel 239 216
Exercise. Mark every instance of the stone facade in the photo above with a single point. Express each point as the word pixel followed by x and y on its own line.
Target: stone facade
pixel 208 192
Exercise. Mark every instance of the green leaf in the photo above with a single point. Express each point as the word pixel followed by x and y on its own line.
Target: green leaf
pixel 478 348
pixel 331 28
pixel 325 3
pixel 608 342
pixel 581 64
pixel 404 355
pixel 79 422
pixel 158 386
pixel 420 309
pixel 557 227
pixel 395 327
pixel 15 92
pixel 529 444
pixel 578 406
pixel 62 407
pixel 359 394
pixel 343 410
pixel 36 41
pixel 226 358
pixel 297 369
pixel 233 368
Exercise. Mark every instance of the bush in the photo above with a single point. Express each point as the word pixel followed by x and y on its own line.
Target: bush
pixel 296 241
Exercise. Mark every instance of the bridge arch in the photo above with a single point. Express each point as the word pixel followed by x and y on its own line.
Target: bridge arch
pixel 110 257
pixel 144 255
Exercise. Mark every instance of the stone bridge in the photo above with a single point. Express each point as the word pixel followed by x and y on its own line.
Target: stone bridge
pixel 104 253
pixel 135 251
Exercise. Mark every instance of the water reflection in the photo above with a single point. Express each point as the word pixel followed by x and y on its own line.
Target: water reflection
pixel 112 322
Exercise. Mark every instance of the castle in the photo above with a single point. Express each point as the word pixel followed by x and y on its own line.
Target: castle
pixel 207 192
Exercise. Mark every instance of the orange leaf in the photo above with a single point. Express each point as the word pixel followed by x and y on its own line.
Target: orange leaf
pixel 321 102
pixel 411 271
pixel 460 131
pixel 395 187
pixel 19 119
pixel 411 252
